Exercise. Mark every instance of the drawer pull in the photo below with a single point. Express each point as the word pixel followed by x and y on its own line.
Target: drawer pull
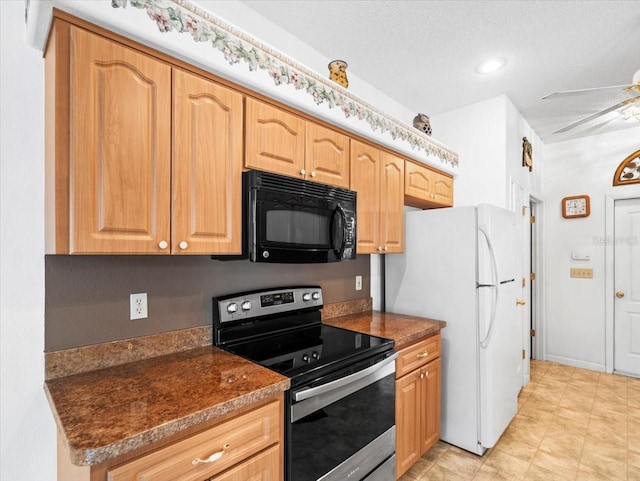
pixel 213 458
pixel 422 354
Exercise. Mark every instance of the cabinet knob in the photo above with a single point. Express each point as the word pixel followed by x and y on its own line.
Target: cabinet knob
pixel 313 173
pixel 302 172
pixel 183 245
pixel 163 244
pixel 386 248
pixel 379 248
pixel 422 355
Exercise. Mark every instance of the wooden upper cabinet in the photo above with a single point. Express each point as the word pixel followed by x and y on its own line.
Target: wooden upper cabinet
pixel 280 142
pixel 427 188
pixel 119 147
pixel 275 140
pixel 207 167
pixel 378 178
pixel 327 156
pixel 365 180
pixel 391 203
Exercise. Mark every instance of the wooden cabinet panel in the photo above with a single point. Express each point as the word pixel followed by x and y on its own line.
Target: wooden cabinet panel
pixel 365 180
pixel 327 156
pixel 391 203
pixel 243 437
pixel 430 395
pixel 407 426
pixel 275 139
pixel 418 401
pixel 265 466
pixel 120 147
pixel 418 354
pixel 207 167
pixel 427 188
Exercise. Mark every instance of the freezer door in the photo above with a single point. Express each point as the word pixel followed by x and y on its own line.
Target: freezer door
pixel 499 374
pixel 497 245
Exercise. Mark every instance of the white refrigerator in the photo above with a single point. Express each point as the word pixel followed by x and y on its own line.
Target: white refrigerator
pixel 460 266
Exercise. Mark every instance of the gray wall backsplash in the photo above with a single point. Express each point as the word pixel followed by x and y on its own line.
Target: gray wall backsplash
pixel 87 297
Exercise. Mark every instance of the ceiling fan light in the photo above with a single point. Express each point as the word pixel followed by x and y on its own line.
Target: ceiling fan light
pixel 491 65
pixel 632 114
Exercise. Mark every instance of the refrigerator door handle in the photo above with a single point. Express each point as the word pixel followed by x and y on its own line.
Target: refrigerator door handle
pixel 485 342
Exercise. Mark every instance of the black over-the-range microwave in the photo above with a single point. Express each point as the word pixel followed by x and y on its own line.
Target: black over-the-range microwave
pixel 288 220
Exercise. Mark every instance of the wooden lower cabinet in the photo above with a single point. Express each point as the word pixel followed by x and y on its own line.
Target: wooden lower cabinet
pixel 418 393
pixel 245 447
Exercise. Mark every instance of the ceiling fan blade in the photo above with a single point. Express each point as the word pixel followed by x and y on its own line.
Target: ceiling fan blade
pixel 580 91
pixel 598 114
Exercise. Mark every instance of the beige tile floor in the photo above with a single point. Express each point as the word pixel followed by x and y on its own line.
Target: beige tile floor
pixel 572 425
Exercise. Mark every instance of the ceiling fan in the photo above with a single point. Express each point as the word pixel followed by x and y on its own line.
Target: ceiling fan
pixel 631 113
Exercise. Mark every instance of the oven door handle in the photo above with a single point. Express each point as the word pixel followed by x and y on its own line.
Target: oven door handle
pixel 338 383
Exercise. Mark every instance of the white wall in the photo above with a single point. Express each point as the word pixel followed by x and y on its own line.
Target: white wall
pixel 575 308
pixel 478 133
pixel 28 432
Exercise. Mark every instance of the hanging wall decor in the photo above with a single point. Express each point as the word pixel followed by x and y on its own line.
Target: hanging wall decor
pixel 527 154
pixel 628 172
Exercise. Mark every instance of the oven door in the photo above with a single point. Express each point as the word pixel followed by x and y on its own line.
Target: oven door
pixel 344 429
pixel 301 229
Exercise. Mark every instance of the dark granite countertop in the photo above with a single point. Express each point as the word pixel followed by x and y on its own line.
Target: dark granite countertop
pixel 403 329
pixel 105 413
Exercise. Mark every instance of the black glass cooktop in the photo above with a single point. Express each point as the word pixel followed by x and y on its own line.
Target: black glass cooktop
pixel 307 351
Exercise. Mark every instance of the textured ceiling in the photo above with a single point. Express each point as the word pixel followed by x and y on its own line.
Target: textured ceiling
pixel 424 54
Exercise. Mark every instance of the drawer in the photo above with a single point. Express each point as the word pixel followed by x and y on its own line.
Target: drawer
pixel 417 355
pixel 261 467
pixel 237 439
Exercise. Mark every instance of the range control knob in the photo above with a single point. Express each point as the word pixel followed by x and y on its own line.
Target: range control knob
pixel 306 297
pixel 315 355
pixel 231 308
pixel 315 296
pixel 246 305
pixel 305 358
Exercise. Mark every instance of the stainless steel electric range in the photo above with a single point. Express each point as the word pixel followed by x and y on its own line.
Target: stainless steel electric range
pixel 340 409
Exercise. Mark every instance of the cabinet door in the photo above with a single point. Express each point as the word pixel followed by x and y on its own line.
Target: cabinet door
pixel 430 391
pixel 365 180
pixel 207 167
pixel 327 156
pixel 391 203
pixel 120 148
pixel 443 189
pixel 407 422
pixel 426 188
pixel 274 140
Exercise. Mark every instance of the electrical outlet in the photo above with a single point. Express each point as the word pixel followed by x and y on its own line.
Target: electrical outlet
pixel 582 273
pixel 358 283
pixel 138 306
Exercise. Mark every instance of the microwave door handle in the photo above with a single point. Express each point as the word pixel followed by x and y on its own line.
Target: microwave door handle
pixel 339 211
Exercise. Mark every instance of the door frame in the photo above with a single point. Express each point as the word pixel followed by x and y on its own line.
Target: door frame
pixel 609 275
pixel 539 350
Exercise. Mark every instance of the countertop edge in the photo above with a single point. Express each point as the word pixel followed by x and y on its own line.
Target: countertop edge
pixel 91 457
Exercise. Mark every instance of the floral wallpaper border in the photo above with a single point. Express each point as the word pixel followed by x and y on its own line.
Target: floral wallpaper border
pixel 236 46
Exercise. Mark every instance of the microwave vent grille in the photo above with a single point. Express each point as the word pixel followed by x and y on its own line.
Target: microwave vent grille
pixel 281 183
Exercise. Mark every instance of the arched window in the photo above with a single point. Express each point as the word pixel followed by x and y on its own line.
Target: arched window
pixel 628 172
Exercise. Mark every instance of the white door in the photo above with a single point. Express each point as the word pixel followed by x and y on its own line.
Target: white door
pixel 627 287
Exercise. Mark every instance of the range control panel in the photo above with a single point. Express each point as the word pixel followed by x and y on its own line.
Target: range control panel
pixel 254 304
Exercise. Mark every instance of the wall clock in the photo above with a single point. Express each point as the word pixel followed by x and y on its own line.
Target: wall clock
pixel 575 206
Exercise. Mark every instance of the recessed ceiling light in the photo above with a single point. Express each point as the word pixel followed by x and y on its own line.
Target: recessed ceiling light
pixel 491 65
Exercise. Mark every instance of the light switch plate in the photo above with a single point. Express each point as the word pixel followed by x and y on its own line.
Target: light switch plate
pixel 582 273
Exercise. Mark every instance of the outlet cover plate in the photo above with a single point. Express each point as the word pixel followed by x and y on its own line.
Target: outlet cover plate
pixel 358 283
pixel 138 306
